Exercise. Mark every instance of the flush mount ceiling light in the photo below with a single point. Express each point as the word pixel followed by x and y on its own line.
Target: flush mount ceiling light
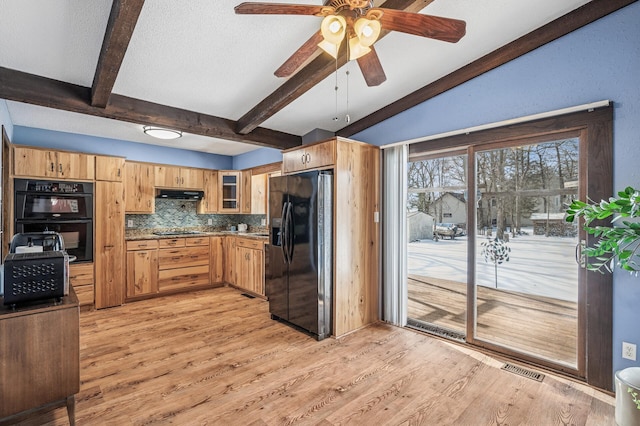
pixel 161 133
pixel 356 24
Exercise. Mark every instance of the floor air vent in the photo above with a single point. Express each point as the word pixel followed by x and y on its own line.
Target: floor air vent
pixel 438 331
pixel 523 372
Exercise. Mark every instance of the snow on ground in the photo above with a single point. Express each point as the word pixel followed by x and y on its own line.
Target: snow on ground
pixel 538 265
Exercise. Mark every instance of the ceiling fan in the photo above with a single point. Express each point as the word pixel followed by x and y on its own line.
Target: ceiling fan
pixel 356 24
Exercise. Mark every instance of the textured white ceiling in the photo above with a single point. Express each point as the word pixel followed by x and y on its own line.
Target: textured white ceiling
pixel 200 56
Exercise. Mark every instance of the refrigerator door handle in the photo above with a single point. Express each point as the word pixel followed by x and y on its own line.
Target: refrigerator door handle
pixel 290 224
pixel 283 232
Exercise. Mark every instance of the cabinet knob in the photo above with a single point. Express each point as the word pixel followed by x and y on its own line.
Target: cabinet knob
pixel 307 158
pixel 60 167
pixel 52 167
pixel 302 158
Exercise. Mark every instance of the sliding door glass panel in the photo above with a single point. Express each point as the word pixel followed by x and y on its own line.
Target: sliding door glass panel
pixel 526 273
pixel 437 244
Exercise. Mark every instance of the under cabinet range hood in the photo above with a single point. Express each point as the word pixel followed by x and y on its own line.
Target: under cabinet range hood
pixel 179 194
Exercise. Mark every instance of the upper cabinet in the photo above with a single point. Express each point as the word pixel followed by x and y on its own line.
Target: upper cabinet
pixel 229 191
pixel 178 177
pixel 139 189
pixel 52 164
pixel 259 187
pixel 109 168
pixel 209 203
pixel 245 192
pixel 309 157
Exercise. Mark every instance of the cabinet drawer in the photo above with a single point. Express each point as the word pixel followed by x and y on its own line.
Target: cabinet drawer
pixel 250 243
pixel 171 242
pixel 80 275
pixel 174 279
pixel 142 245
pixel 197 241
pixel 183 257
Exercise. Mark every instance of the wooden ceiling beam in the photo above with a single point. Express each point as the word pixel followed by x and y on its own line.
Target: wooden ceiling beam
pixel 122 21
pixel 33 89
pixel 312 74
pixel 578 18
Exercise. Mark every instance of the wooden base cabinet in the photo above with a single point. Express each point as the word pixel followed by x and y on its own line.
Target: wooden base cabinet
pixel 249 265
pixel 39 357
pixel 216 259
pixel 142 268
pixel 183 263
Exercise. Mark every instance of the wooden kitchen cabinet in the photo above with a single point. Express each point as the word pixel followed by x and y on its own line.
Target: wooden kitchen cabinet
pixel 81 277
pixel 209 203
pixel 40 357
pixel 109 244
pixel 229 191
pixel 52 164
pixel 139 188
pixel 259 189
pixel 229 272
pixel 216 259
pixel 109 168
pixel 178 177
pixel 183 263
pixel 309 157
pixel 245 192
pixel 142 268
pixel 249 264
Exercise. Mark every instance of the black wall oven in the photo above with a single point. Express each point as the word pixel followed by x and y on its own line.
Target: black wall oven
pixel 60 206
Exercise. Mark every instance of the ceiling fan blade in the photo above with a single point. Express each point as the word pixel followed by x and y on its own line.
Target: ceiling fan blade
pixel 436 27
pixel 300 56
pixel 253 8
pixel 372 68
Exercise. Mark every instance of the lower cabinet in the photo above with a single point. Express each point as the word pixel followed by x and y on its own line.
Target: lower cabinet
pixel 229 273
pixel 249 265
pixel 183 263
pixel 82 279
pixel 142 268
pixel 216 259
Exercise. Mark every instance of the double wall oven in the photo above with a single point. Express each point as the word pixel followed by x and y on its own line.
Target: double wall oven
pixel 61 206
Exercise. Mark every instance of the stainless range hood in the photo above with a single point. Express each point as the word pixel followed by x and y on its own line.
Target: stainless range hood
pixel 179 194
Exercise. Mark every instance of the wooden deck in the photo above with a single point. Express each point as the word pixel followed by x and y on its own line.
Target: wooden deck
pixel 215 357
pixel 533 324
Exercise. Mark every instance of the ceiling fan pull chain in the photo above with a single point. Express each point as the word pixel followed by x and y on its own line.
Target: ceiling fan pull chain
pixel 335 117
pixel 347 118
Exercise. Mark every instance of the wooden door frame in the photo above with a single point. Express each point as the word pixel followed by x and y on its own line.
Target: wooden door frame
pixel 594 128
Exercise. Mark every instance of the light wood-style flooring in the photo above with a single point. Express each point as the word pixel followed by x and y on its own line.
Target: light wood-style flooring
pixel 537 325
pixel 216 358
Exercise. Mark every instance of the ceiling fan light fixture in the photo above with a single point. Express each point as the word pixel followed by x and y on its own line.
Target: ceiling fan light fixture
pixel 331 49
pixel 161 133
pixel 333 28
pixel 357 49
pixel 367 30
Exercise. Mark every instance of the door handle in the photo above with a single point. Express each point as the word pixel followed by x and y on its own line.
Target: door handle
pixel 283 232
pixel 580 258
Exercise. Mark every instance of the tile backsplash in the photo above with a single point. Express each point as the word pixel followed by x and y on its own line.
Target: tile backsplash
pixel 181 214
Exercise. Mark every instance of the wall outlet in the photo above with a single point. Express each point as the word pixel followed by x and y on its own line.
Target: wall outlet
pixel 209 221
pixel 263 222
pixel 130 223
pixel 629 351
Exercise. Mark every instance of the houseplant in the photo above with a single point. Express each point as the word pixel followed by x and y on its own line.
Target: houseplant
pixel 616 245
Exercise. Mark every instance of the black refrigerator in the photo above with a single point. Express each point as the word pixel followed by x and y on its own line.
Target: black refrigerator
pixel 299 256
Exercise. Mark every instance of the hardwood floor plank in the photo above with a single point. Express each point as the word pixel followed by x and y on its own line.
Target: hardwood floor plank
pixel 216 357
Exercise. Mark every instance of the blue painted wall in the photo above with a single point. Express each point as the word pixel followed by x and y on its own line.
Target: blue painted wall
pixel 600 61
pixel 256 158
pixel 133 151
pixel 5 119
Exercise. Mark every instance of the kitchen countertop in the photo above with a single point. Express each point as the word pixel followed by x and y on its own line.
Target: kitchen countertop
pixel 150 236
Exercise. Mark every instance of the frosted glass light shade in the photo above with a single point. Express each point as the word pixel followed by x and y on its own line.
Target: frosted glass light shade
pixel 331 49
pixel 367 31
pixel 160 133
pixel 333 28
pixel 356 49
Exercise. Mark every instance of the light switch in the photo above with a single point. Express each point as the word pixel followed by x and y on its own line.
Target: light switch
pixel 130 223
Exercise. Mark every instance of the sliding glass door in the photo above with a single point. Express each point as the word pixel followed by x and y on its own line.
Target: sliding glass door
pixel 526 276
